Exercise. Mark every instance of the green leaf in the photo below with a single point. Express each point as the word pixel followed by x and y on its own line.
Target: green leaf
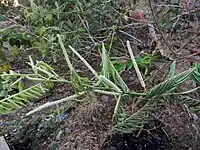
pixel 2 55
pixel 196 74
pixel 18 100
pixel 15 51
pixel 120 67
pixel 5 68
pixel 49 85
pixel 172 69
pixel 130 123
pixel 110 72
pixel 42 30
pixel 2 18
pixel 21 85
pixel 3 93
pixel 170 84
pixel 49 17
pixel 129 65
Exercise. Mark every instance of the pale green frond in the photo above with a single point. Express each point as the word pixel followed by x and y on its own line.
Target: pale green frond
pixel 129 124
pixel 121 113
pixel 109 83
pixel 41 72
pixel 183 93
pixel 105 63
pixel 20 99
pixel 109 71
pixel 170 84
pixel 139 75
pixel 196 77
pixel 196 74
pixel 117 106
pixel 65 53
pixel 172 69
pixel 192 103
pixel 79 83
pixel 32 64
pixel 118 80
pixel 85 62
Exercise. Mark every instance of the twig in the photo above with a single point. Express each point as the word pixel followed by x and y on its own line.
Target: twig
pixel 106 92
pixel 86 26
pixel 156 22
pixel 184 14
pixel 174 24
pixel 182 47
pixel 116 107
pixel 111 43
pixel 50 104
pixel 136 66
pixel 131 36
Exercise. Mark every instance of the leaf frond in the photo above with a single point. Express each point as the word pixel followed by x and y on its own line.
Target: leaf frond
pixel 129 124
pixel 196 74
pixel 192 103
pixel 20 99
pixel 110 72
pixel 170 84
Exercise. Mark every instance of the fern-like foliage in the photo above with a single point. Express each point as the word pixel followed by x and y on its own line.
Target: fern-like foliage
pixel 196 74
pixel 192 103
pixel 170 84
pixel 20 99
pixel 130 123
pixel 79 83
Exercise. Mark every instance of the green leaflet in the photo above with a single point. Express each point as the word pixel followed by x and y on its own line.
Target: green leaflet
pixel 170 84
pixel 109 71
pixel 20 99
pixel 196 74
pixel 129 124
pixel 172 69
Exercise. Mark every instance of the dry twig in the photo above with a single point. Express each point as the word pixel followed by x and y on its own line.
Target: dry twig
pixel 160 31
pixel 136 66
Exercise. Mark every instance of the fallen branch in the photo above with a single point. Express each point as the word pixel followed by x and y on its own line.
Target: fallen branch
pixel 50 104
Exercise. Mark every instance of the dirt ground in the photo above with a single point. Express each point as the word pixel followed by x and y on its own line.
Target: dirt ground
pixel 88 126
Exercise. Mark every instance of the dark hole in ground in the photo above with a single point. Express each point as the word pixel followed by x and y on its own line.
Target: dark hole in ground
pixel 154 139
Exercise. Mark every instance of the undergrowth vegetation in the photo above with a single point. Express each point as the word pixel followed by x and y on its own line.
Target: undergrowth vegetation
pixel 108 82
pixel 72 30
